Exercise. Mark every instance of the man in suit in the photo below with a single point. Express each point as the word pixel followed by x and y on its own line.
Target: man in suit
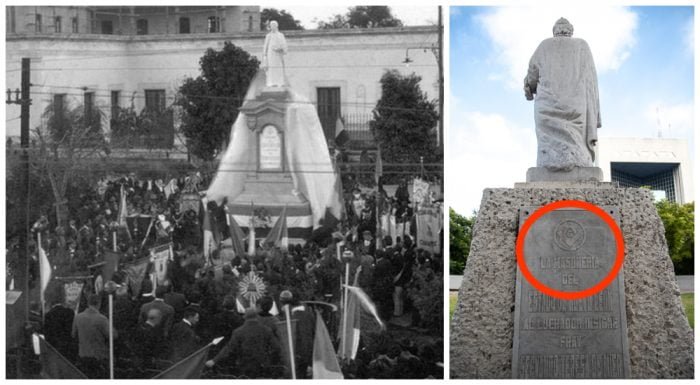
pixel 148 341
pixel 58 324
pixel 226 322
pixel 91 328
pixel 166 310
pixel 174 299
pixel 183 338
pixel 252 347
pixel 304 336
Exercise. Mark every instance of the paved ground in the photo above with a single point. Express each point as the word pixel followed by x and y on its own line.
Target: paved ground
pixel 685 282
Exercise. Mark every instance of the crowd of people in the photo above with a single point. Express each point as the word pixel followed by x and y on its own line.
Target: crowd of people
pixel 156 326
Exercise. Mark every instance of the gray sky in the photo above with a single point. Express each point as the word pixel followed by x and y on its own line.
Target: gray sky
pixel 422 15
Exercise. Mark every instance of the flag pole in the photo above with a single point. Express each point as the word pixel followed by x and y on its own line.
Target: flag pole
pixel 344 337
pixel 41 288
pixel 111 337
pixel 114 240
pixel 288 315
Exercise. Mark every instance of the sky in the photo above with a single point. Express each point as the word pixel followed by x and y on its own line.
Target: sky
pixel 416 15
pixel 643 55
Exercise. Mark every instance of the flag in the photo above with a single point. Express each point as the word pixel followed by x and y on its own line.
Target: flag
pixel 136 273
pixel 278 235
pixel 110 266
pixel 358 301
pixel 54 365
pixel 251 233
pixel 189 368
pixel 341 136
pixel 237 236
pixel 209 237
pixel 325 362
pixel 44 271
pixel 122 214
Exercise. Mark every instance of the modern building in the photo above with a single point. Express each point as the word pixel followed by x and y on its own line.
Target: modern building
pixel 661 164
pixel 111 57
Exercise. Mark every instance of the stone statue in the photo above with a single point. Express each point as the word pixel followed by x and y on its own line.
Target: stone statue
pixel 562 78
pixel 274 49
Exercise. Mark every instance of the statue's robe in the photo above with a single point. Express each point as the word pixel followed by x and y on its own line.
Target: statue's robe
pixel 567 110
pixel 274 49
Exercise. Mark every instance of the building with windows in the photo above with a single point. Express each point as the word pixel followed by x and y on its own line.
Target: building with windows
pixel 116 57
pixel 661 164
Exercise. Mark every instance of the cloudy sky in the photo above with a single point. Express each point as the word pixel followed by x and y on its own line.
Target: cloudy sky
pixel 421 15
pixel 644 58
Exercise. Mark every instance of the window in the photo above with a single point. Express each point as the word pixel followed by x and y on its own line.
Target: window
pixel 328 106
pixel 57 24
pixel 155 100
pixel 107 28
pixel 58 102
pixel 213 24
pixel 184 25
pixel 142 27
pixel 88 102
pixel 114 103
pixel 74 24
pixel 37 23
pixel 250 23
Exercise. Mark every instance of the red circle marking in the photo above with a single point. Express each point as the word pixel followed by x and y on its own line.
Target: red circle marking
pixel 570 295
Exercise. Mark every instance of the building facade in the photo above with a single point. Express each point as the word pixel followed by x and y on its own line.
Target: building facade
pixel 661 164
pixel 115 60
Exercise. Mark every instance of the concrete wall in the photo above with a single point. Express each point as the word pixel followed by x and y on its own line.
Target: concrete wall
pixel 353 60
pixel 649 150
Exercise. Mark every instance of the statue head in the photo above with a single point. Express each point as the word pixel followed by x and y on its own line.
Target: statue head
pixel 563 28
pixel 274 27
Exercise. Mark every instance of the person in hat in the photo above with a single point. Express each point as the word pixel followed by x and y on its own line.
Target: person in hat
pixel 305 330
pixel 252 347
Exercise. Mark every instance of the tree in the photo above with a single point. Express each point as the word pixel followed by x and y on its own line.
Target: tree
pixel 363 16
pixel 404 120
pixel 460 240
pixel 284 20
pixel 679 225
pixel 68 139
pixel 210 101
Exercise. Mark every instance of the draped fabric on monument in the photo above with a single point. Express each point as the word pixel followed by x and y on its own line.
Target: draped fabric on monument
pixel 567 111
pixel 307 159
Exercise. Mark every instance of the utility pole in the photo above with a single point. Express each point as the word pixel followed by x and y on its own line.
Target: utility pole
pixel 23 260
pixel 441 102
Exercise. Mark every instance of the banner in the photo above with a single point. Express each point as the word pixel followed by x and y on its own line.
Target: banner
pixel 421 190
pixel 72 291
pixel 428 225
pixel 53 364
pixel 160 255
pixel 189 202
pixel 135 273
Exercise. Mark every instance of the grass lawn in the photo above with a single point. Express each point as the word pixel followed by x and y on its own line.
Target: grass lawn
pixel 453 302
pixel 688 304
pixel 687 299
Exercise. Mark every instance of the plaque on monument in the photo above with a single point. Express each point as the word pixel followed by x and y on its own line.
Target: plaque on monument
pixel 570 250
pixel 270 146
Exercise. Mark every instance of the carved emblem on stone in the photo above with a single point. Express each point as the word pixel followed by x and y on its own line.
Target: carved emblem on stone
pixel 569 235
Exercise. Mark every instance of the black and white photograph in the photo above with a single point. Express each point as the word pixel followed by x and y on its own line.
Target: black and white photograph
pixel 224 192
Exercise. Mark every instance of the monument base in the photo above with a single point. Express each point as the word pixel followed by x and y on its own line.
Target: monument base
pixel 269 194
pixel 660 339
pixel 578 174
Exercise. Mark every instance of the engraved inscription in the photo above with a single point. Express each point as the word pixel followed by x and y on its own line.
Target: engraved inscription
pixel 270 149
pixel 569 250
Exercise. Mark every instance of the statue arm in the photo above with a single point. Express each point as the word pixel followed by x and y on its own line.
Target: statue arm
pixel 532 78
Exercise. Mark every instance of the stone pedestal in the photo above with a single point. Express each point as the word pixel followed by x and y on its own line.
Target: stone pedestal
pixel 659 337
pixel 270 187
pixel 578 174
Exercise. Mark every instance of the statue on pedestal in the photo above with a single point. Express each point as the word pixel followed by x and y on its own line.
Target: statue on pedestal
pixel 562 80
pixel 274 49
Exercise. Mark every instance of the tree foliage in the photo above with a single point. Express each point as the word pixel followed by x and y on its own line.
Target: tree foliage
pixel 363 16
pixel 679 225
pixel 210 101
pixel 69 138
pixel 460 240
pixel 284 19
pixel 404 121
